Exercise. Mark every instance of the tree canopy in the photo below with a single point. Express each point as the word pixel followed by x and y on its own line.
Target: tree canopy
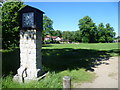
pixel 57 33
pixel 10 24
pixel 90 33
pixel 88 29
pixel 47 26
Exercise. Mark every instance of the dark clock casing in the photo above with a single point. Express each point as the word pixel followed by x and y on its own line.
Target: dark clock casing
pixel 31 18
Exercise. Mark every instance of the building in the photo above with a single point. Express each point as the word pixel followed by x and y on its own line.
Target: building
pixel 54 38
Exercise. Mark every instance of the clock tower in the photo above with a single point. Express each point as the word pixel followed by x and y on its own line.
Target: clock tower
pixel 31 26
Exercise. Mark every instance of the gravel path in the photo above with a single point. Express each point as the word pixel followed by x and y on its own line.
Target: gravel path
pixel 107 75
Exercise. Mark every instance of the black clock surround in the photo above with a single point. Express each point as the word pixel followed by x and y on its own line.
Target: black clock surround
pixel 31 18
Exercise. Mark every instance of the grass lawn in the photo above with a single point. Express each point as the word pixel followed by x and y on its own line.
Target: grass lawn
pixel 97 46
pixel 60 60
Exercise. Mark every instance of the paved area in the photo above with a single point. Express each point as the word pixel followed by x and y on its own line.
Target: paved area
pixel 107 75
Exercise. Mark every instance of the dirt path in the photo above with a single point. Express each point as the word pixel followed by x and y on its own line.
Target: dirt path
pixel 107 75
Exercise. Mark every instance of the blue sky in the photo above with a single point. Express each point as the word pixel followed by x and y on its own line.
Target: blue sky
pixel 66 15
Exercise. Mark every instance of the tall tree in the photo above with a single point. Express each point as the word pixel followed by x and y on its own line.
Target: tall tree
pixel 10 24
pixel 110 34
pixel 58 33
pixel 88 29
pixel 77 36
pixel 47 26
pixel 72 36
pixel 105 34
pixel 66 35
pixel 101 33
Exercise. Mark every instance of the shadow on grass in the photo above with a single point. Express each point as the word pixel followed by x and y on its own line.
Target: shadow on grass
pixel 68 58
pixel 10 61
pixel 117 51
pixel 59 59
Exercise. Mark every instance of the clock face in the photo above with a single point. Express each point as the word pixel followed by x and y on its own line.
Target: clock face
pixel 28 19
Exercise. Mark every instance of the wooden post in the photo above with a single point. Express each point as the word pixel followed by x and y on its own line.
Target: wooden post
pixel 66 82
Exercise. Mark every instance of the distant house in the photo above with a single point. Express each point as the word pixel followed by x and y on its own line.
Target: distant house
pixel 47 37
pixel 58 39
pixel 54 38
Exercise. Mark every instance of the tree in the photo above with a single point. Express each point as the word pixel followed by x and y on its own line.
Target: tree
pixel 57 33
pixel 105 34
pixel 101 33
pixel 77 36
pixel 47 26
pixel 110 34
pixel 88 29
pixel 72 36
pixel 66 35
pixel 10 24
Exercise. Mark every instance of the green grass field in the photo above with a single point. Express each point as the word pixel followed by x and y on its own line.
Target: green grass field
pixel 97 46
pixel 60 60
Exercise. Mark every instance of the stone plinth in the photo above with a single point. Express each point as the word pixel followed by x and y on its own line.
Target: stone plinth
pixel 30 56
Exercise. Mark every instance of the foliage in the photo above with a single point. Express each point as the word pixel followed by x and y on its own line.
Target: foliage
pixel 66 35
pixel 74 36
pixel 47 26
pixel 10 24
pixel 57 33
pixel 77 36
pixel 105 34
pixel 109 33
pixel 91 33
pixel 101 33
pixel 88 29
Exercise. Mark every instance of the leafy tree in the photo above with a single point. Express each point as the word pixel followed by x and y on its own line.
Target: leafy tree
pixel 109 33
pixel 101 33
pixel 88 29
pixel 57 33
pixel 72 36
pixel 77 36
pixel 66 35
pixel 10 24
pixel 105 34
pixel 47 26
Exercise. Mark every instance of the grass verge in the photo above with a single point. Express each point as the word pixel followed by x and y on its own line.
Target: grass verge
pixel 52 80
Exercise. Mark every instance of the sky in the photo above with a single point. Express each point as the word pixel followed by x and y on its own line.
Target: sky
pixel 65 15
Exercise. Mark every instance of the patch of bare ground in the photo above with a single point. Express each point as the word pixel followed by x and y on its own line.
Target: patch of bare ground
pixel 107 75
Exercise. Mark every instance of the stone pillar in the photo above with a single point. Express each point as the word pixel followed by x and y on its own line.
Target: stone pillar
pixel 30 56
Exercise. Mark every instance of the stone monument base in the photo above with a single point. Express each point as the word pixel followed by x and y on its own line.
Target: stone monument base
pixel 28 74
pixel 20 79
